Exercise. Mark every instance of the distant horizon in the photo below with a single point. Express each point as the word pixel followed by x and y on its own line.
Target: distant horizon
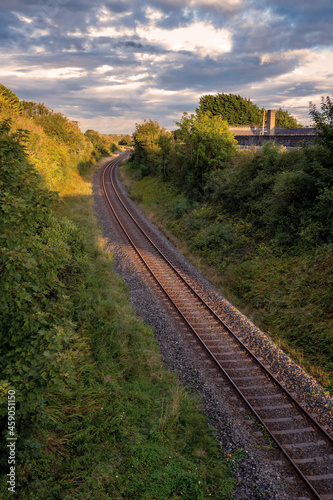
pixel 111 64
pixel 169 130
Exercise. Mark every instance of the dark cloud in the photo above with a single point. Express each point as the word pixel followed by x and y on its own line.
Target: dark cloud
pixel 221 73
pixel 309 24
pixel 301 9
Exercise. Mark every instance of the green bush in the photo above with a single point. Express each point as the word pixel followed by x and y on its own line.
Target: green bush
pixel 103 144
pixel 40 259
pixel 280 193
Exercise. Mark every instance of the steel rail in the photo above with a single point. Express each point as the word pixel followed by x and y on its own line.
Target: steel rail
pixel 253 356
pixel 114 163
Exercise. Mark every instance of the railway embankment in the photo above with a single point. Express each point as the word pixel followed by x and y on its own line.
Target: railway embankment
pixel 97 414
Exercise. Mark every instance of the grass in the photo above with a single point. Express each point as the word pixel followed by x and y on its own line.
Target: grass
pixel 125 428
pixel 288 295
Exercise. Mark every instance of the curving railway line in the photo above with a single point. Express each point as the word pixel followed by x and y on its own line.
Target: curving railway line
pixel 305 443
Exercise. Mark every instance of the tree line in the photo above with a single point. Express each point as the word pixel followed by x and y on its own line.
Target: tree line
pixel 285 195
pixel 60 128
pixel 239 111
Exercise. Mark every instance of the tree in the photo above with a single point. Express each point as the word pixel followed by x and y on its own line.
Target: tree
pixel 126 140
pixel 283 119
pixel 147 151
pixel 235 109
pixel 205 144
pixel 55 124
pixel 9 98
pixel 323 121
pixel 102 143
pixel 166 142
pixel 147 133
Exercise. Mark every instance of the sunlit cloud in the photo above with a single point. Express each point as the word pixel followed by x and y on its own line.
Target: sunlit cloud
pixel 23 19
pixel 201 38
pixel 153 14
pixel 43 74
pixel 217 4
pixel 300 55
pixel 315 67
pixel 104 69
pixel 140 76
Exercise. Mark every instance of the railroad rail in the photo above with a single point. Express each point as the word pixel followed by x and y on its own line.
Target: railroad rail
pixel 305 444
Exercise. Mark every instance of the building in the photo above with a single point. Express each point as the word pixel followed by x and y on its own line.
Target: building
pixel 257 136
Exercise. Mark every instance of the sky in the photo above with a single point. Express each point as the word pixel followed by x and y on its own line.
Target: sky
pixel 112 64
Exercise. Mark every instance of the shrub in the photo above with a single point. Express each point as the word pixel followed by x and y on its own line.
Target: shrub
pixel 39 258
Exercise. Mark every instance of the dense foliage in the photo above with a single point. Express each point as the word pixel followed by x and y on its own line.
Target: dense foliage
pixel 55 145
pixel 152 146
pixel 287 197
pixel 324 122
pixel 236 110
pixel 55 125
pixel 283 119
pixel 103 144
pixel 40 260
pixel 9 98
pixel 239 111
pixel 200 145
pixel 125 140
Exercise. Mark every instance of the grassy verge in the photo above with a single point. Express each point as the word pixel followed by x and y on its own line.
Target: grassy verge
pixel 123 427
pixel 287 295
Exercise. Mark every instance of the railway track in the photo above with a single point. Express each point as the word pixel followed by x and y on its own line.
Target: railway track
pixel 305 444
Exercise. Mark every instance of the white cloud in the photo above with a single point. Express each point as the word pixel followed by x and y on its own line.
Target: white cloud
pixel 114 79
pixel 161 92
pixel 301 55
pixel 98 32
pixel 316 67
pixel 37 73
pixel 104 69
pixel 153 14
pixel 106 16
pixel 140 76
pixel 314 71
pixel 109 125
pixel 110 32
pixel 22 18
pixel 39 33
pixel 225 5
pixel 122 90
pixel 199 37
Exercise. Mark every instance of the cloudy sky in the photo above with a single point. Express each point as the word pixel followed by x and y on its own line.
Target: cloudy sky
pixel 112 64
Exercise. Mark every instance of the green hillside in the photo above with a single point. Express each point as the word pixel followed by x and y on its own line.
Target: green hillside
pixel 96 413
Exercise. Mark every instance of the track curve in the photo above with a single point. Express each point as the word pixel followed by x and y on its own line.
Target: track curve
pixel 304 442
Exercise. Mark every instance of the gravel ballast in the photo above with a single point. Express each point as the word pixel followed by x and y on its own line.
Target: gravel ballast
pixel 260 470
